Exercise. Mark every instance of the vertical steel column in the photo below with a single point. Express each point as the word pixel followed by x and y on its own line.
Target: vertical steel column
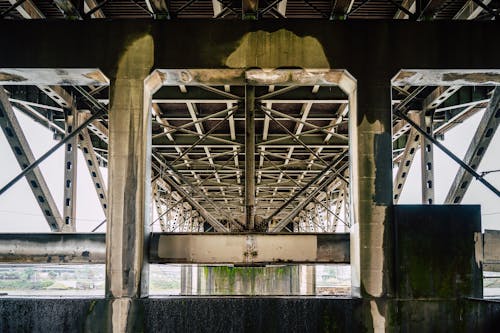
pixel 160 208
pixel 93 166
pixel 411 147
pixel 338 207
pixel 250 157
pixel 329 215
pixel 70 168
pixel 347 212
pixel 427 158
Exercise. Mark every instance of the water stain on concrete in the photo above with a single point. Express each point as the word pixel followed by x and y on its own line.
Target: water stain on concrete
pixel 280 48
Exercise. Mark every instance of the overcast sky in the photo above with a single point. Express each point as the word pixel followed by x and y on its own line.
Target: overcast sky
pixel 19 211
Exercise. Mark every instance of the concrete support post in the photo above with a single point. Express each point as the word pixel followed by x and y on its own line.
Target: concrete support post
pixel 186 280
pixel 371 197
pixel 250 157
pixel 70 169
pixel 307 278
pixel 129 182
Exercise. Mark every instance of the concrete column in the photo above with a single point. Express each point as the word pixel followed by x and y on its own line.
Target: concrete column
pixel 129 184
pixel 186 280
pixel 307 278
pixel 371 197
pixel 250 157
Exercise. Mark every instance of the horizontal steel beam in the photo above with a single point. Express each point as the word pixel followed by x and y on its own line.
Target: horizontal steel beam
pixel 249 249
pixel 215 248
pixel 190 139
pixel 60 248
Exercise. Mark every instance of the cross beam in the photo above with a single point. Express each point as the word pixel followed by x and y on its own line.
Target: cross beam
pixel 206 248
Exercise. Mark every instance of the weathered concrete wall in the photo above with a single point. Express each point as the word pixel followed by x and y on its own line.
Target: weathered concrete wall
pixel 44 315
pixel 256 314
pixel 458 316
pixel 438 250
pixel 253 315
pixel 186 315
pixel 222 44
pixel 224 280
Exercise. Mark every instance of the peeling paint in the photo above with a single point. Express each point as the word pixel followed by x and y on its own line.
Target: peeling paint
pixel 486 77
pixel 277 49
pixel 61 72
pixel 97 76
pixel 7 77
pixel 403 75
pixel 446 77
